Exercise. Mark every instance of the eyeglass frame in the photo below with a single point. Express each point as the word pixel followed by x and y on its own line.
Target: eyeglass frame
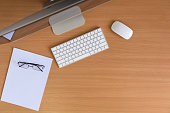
pixel 31 66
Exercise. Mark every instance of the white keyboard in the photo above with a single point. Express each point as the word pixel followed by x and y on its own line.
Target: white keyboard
pixel 80 48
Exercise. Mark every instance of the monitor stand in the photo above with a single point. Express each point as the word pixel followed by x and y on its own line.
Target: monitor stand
pixel 66 20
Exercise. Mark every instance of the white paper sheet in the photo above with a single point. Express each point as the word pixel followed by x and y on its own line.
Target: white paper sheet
pixel 25 87
pixel 9 35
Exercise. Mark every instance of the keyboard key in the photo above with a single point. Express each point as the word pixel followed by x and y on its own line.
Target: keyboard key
pixel 85 35
pixel 64 52
pixel 81 57
pixel 54 52
pixel 57 55
pixel 93 48
pixel 92 52
pixel 58 47
pixel 61 46
pixel 83 52
pixel 82 37
pixel 106 46
pixel 102 40
pixel 66 59
pixel 61 61
pixel 88 38
pixel 75 44
pixel 100 33
pixel 84 44
pixel 86 51
pixel 58 59
pixel 69 58
pixel 71 41
pixel 73 56
pixel 66 55
pixel 71 61
pixel 78 39
pixel 81 41
pixel 99 50
pixel 64 64
pixel 88 35
pixel 68 47
pixel 69 54
pixel 95 51
pixel 87 47
pixel 103 44
pixel 71 45
pixel 68 43
pixel 61 54
pixel 53 49
pixel 65 44
pixel 84 48
pixel 80 54
pixel 63 57
pixel 88 42
pixel 99 30
pixel 60 66
pixel 98 38
pixel 102 37
pixel 67 63
pixel 76 55
pixel 97 42
pixel 92 33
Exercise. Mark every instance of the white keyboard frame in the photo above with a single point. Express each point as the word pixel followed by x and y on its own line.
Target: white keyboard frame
pixel 80 48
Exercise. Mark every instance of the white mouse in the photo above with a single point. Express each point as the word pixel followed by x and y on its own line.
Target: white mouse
pixel 122 30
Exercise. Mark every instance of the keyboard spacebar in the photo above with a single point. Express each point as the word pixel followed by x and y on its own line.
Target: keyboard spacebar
pixel 81 57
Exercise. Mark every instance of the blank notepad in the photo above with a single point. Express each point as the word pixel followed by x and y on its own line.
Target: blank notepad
pixel 25 86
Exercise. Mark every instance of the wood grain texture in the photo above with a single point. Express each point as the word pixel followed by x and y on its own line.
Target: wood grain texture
pixel 131 77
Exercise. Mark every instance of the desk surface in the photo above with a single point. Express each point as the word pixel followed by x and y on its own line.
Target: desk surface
pixel 131 77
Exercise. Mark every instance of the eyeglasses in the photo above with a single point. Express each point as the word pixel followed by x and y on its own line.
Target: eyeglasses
pixel 26 65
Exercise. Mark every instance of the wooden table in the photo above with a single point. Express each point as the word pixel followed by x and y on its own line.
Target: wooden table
pixel 131 77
